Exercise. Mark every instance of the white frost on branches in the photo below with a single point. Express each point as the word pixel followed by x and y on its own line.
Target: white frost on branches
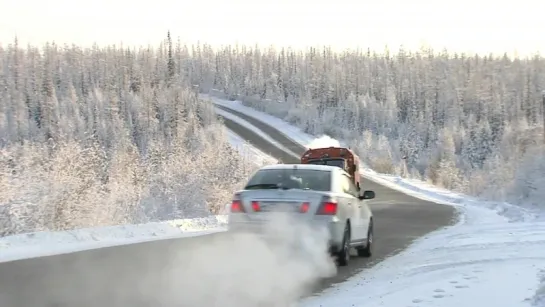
pixel 94 137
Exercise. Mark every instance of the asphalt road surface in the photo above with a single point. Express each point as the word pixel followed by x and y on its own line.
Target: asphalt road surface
pixel 158 273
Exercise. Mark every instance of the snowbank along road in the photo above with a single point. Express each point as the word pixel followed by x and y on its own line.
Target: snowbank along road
pixel 159 273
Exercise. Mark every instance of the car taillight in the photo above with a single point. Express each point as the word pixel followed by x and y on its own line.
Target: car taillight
pixel 304 207
pixel 255 206
pixel 236 206
pixel 328 207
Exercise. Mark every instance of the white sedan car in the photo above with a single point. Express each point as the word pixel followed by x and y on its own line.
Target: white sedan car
pixel 324 195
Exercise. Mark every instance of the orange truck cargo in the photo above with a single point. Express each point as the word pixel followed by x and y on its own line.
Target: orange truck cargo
pixel 335 156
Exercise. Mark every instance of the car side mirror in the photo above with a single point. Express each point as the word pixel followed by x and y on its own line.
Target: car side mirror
pixel 367 195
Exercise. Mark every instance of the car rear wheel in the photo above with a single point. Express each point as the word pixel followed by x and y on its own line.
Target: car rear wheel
pixel 367 250
pixel 343 256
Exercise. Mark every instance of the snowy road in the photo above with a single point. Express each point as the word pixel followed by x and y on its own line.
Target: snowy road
pixel 191 271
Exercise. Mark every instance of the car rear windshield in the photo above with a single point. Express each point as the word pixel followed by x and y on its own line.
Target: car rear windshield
pixel 305 179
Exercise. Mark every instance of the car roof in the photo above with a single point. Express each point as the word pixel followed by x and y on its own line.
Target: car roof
pixel 316 167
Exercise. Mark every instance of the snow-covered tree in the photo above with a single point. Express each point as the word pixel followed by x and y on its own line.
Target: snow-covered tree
pixel 408 99
pixel 105 136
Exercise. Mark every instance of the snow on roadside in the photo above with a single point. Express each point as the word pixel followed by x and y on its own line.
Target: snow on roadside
pixel 454 267
pixel 249 151
pixel 40 244
pixel 426 191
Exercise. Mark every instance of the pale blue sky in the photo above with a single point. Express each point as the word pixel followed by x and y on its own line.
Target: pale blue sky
pixel 475 25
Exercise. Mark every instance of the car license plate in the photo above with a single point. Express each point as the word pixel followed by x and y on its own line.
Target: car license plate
pixel 285 207
pixel 278 207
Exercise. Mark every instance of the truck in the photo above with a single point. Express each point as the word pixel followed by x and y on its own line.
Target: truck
pixel 341 157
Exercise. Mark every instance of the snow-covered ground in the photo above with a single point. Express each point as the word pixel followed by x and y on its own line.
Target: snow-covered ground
pixel 41 244
pixel 249 151
pixel 494 256
pixel 483 261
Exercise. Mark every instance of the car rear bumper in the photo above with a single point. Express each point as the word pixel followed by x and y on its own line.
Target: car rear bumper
pixel 333 226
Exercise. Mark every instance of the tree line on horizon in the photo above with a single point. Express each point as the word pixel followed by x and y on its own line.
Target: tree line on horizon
pixel 131 116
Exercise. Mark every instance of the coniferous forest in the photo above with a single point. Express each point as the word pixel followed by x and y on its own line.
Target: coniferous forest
pixel 468 123
pixel 109 135
pixel 104 136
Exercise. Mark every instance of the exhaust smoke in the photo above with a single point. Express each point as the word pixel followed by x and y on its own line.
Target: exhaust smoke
pixel 274 268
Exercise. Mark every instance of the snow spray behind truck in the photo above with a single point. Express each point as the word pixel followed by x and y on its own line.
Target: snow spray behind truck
pixel 336 156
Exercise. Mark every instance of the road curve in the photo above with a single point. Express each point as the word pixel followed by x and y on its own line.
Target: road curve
pixel 158 273
pixel 397 225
